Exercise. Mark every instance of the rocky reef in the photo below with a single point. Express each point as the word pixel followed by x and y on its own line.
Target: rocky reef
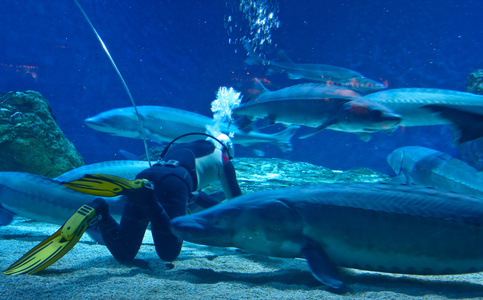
pixel 30 139
pixel 262 174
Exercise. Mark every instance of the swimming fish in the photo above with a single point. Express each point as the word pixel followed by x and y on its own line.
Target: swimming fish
pixel 163 124
pixel 319 106
pixel 47 200
pixel 376 227
pixel 328 74
pixel 44 199
pixel 428 167
pixel 424 106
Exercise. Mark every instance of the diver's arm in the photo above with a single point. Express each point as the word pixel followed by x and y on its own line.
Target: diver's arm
pixel 229 182
pixel 207 200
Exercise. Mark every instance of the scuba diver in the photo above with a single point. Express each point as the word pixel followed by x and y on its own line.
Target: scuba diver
pixel 182 170
pixel 159 194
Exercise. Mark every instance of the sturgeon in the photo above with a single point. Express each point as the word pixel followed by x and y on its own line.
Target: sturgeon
pixel 428 167
pixel 424 106
pixel 44 199
pixel 328 74
pixel 319 106
pixel 369 226
pixel 47 200
pixel 163 124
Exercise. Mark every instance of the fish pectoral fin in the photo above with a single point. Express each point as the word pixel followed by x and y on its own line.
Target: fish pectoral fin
pixel 399 179
pixel 316 130
pixel 6 217
pixel 257 150
pixel 268 121
pixel 312 132
pixel 364 136
pixel 322 268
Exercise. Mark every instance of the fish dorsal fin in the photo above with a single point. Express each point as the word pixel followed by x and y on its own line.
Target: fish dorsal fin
pixel 282 58
pixel 258 88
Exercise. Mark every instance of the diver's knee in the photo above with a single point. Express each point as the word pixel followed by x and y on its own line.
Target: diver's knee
pixel 170 253
pixel 124 257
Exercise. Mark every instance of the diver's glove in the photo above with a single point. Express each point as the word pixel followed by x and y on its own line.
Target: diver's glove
pixel 206 200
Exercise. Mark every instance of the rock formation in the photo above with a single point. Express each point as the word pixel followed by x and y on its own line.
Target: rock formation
pixel 30 139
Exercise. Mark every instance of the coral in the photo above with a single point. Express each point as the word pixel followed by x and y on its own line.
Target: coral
pixel 30 139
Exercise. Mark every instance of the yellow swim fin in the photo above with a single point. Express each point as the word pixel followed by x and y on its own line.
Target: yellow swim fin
pixel 57 245
pixel 105 185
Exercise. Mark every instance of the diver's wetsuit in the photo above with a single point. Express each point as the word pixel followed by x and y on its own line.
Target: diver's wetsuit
pixel 184 169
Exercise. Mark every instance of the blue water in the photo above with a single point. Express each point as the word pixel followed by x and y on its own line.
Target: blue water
pixel 178 53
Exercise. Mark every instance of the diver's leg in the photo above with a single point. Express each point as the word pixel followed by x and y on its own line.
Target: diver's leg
pixel 173 194
pixel 124 240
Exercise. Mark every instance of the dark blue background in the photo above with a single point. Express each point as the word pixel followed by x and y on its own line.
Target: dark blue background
pixel 176 53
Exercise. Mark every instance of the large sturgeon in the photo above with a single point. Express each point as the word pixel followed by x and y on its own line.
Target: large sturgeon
pixel 377 227
pixel 423 107
pixel 428 167
pixel 163 124
pixel 45 199
pixel 319 106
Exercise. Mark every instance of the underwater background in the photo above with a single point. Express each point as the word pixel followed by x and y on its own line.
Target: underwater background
pixel 178 53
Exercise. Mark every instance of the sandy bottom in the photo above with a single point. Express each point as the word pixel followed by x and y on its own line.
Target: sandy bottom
pixel 88 271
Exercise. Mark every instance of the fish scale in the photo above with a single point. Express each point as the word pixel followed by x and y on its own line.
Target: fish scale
pixel 387 243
